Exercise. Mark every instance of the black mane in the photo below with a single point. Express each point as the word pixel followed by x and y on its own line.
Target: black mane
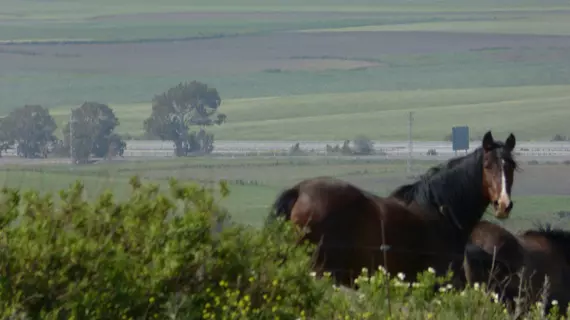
pixel 454 185
pixel 407 192
pixel 558 236
pixel 451 183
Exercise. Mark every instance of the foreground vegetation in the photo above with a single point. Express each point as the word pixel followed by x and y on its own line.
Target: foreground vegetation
pixel 177 255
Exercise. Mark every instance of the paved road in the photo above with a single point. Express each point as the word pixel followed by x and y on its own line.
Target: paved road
pixel 397 149
pixel 541 151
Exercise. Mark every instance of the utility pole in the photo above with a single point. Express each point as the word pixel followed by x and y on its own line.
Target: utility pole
pixel 410 146
pixel 71 137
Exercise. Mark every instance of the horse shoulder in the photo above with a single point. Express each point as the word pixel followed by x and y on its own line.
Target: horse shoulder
pixel 393 209
pixel 488 236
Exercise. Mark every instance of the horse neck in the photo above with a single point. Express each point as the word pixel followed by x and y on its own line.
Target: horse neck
pixel 460 189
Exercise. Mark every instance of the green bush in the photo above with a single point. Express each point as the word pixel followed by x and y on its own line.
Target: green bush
pixel 159 255
pixel 152 256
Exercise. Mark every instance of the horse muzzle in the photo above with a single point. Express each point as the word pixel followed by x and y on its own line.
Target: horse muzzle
pixel 502 208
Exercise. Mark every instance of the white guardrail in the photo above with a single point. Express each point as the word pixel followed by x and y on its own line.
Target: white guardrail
pixel 153 148
pixel 165 148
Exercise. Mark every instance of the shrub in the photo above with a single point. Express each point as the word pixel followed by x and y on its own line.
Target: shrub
pixel 563 214
pixel 363 145
pixel 381 297
pixel 432 152
pixel 559 137
pixel 152 256
pixel 163 255
pixel 345 149
pixel 296 150
pixel 332 150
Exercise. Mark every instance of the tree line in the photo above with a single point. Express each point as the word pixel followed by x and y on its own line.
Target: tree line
pixel 90 131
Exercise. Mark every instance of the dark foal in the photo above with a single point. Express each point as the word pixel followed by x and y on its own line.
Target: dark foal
pixel 351 226
pixel 529 257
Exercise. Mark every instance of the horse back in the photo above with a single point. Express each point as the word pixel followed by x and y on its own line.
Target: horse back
pixel 409 232
pixel 499 242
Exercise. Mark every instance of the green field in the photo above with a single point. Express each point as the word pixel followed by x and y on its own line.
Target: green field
pixel 536 23
pixel 81 9
pixel 255 182
pixel 315 84
pixel 381 115
pixel 80 21
pixel 500 65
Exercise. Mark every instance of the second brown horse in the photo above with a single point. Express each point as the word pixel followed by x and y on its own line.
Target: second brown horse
pixel 525 260
pixel 351 226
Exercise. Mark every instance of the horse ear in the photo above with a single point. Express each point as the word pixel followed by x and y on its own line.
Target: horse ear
pixel 511 142
pixel 488 141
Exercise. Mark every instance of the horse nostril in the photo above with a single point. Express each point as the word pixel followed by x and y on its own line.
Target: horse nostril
pixel 510 206
pixel 496 203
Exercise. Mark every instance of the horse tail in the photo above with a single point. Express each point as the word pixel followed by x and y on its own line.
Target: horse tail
pixel 284 203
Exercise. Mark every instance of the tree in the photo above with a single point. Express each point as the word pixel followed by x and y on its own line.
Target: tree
pixel 117 146
pixel 93 132
pixel 31 127
pixel 179 108
pixel 6 142
pixel 559 137
pixel 363 145
pixel 296 150
pixel 346 150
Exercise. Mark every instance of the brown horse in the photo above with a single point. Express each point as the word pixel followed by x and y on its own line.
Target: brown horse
pixel 529 257
pixel 355 229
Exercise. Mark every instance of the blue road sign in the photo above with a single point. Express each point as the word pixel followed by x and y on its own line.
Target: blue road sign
pixel 460 138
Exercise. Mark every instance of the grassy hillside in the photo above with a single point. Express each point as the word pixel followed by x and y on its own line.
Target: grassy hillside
pixel 540 24
pixel 162 26
pixel 532 112
pixel 82 8
pixel 41 21
pixel 250 67
pixel 299 85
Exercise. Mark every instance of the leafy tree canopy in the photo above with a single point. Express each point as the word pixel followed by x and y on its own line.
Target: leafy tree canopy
pixel 179 108
pixel 32 128
pixel 6 141
pixel 93 132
